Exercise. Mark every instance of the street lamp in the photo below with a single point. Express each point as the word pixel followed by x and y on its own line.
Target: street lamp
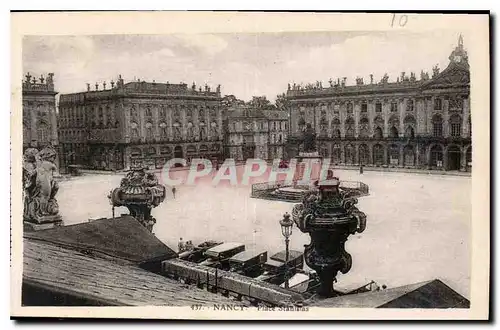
pixel 286 229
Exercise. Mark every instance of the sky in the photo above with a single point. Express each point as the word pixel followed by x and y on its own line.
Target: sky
pixel 245 65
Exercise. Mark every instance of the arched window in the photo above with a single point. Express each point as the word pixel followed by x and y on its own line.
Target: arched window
pixel 379 125
pixel 455 125
pixel 409 132
pixel 437 126
pixel 436 156
pixel 410 124
pixel 394 132
pixel 363 127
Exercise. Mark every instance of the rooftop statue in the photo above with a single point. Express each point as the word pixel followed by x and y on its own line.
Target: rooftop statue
pixel 40 187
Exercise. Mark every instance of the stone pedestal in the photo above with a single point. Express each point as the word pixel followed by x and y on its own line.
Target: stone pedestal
pixel 42 222
pixel 310 160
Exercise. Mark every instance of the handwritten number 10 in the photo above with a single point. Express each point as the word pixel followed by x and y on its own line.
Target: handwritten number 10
pixel 403 19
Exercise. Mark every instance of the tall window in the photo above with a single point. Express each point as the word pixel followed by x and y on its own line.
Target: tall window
pixel 163 130
pixel 394 107
pixel 456 125
pixel 349 128
pixel 134 130
pixel 336 108
pixel 149 131
pixel 438 104
pixel 364 107
pixel 409 105
pixel 378 107
pixel 437 126
pixel 350 108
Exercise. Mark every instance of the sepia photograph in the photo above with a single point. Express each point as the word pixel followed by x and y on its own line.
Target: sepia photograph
pixel 270 170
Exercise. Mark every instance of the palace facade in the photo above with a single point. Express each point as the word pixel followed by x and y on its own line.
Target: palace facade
pixel 39 112
pixel 140 124
pixel 255 133
pixel 414 123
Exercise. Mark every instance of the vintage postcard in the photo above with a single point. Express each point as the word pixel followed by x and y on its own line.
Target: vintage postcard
pixel 225 165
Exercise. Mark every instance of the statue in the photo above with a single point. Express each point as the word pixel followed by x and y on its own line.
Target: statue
pixel 40 188
pixel 435 71
pixel 384 79
pixel 328 214
pixel 309 138
pixel 139 191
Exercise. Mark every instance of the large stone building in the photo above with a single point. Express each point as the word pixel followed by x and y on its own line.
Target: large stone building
pixel 39 112
pixel 255 133
pixel 139 123
pixel 418 123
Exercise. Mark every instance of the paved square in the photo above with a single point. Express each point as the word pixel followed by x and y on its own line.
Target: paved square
pixel 418 226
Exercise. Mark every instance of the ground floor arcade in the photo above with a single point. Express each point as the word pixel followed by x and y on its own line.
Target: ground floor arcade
pixel 115 157
pixel 452 156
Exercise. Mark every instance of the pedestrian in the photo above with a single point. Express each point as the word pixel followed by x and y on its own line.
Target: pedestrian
pixel 361 169
pixel 173 191
pixel 181 246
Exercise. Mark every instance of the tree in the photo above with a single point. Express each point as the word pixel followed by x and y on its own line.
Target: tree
pixel 231 101
pixel 282 102
pixel 261 102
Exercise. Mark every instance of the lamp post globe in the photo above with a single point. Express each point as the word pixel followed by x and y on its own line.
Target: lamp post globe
pixel 286 229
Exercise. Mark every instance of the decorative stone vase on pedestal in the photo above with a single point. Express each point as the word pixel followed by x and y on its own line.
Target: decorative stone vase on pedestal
pixel 139 191
pixel 329 216
pixel 41 210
